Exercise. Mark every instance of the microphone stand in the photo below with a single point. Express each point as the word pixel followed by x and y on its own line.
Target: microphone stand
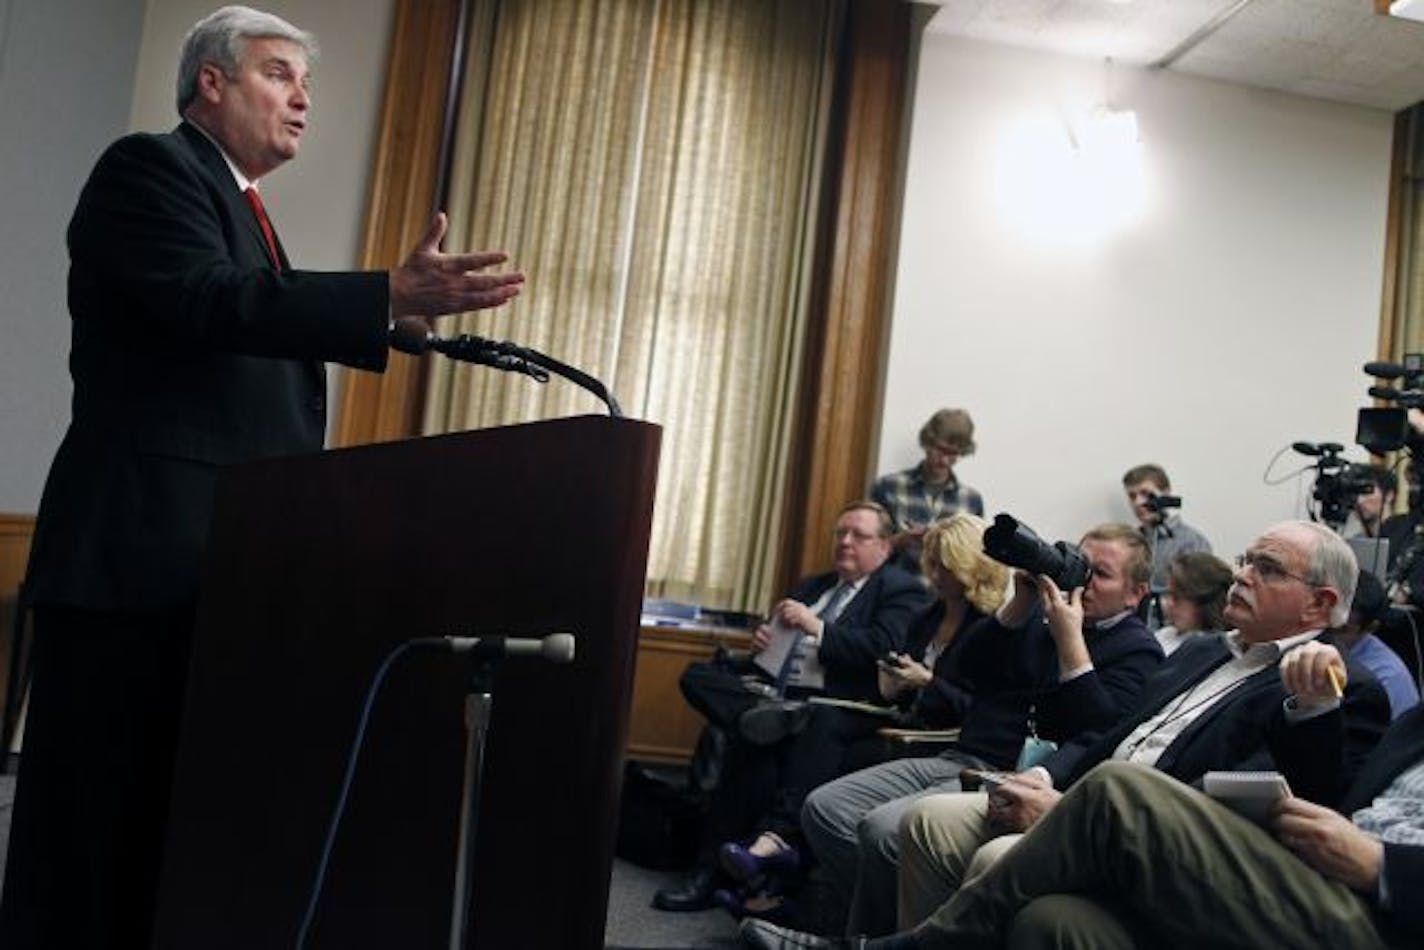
pixel 523 359
pixel 478 702
pixel 412 335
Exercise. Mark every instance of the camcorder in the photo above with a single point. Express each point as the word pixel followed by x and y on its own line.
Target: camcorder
pixel 1159 504
pixel 1338 481
pixel 1013 543
pixel 1386 429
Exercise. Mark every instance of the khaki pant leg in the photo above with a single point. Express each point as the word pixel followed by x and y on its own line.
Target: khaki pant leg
pixel 939 835
pixel 989 852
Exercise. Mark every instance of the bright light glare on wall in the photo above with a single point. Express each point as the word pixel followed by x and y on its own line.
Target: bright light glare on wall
pixel 1071 184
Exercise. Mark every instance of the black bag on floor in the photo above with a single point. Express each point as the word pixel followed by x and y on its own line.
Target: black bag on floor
pixel 659 821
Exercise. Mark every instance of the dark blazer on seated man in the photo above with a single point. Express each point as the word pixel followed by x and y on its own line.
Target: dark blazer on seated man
pixel 1238 731
pixel 849 617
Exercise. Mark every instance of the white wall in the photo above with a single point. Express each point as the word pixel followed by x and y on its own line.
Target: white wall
pixel 66 68
pixel 1226 318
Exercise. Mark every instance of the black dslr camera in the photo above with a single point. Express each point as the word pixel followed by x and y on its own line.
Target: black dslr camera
pixel 1013 543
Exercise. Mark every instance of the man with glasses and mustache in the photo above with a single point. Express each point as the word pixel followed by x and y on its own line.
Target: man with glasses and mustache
pixel 1261 696
pixel 842 622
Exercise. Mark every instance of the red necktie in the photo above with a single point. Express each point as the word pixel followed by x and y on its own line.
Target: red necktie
pixel 255 200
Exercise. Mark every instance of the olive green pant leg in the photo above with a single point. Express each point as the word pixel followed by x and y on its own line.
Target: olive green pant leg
pixel 1189 869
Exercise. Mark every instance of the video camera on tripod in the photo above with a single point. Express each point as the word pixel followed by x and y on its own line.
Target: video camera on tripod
pixel 1338 481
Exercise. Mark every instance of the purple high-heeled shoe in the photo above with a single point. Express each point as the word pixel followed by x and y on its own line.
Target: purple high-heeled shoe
pixel 741 865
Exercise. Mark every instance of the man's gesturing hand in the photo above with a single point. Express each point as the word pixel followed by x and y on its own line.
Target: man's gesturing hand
pixel 429 283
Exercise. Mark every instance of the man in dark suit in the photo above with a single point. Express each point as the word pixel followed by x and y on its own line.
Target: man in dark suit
pixel 1216 704
pixel 842 622
pixel 195 345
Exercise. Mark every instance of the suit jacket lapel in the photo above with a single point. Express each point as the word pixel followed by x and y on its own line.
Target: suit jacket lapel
pixel 256 255
pixel 211 159
pixel 1186 670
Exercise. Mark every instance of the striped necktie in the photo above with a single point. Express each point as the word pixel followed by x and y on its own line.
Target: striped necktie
pixel 828 614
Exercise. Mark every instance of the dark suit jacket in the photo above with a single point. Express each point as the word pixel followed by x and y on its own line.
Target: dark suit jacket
pixel 871 625
pixel 1016 671
pixel 1234 732
pixel 189 352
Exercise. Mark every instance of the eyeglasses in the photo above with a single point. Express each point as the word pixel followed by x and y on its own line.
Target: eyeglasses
pixel 1269 569
pixel 859 537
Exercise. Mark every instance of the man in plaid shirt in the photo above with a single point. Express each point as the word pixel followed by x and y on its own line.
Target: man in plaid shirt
pixel 930 490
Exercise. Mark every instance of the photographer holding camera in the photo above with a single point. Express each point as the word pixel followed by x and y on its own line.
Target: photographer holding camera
pixel 1047 667
pixel 1160 520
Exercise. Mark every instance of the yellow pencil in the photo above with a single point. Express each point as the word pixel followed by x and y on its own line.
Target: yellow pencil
pixel 1335 682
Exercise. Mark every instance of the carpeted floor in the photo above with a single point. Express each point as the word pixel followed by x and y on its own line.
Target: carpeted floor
pixel 631 921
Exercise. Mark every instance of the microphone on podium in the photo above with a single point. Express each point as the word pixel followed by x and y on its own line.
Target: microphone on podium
pixel 556 647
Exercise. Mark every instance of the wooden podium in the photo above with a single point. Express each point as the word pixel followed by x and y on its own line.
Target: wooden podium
pixel 319 566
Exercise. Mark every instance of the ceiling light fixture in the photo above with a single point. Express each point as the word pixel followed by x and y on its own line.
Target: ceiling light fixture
pixel 1408 10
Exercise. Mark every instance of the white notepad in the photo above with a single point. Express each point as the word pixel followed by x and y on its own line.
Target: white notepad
pixel 1250 794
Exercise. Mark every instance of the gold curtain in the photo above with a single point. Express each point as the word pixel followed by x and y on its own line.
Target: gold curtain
pixel 654 167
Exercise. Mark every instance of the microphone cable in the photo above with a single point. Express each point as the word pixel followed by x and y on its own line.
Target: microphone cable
pixel 371 692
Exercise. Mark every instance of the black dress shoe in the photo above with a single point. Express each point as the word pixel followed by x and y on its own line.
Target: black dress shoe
pixel 764 935
pixel 770 722
pixel 694 893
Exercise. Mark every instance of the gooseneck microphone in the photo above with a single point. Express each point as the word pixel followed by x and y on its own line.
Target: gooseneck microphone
pixel 412 335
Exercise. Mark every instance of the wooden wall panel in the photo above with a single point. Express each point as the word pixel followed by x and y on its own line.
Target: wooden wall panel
pixel 850 320
pixel 380 407
pixel 16 531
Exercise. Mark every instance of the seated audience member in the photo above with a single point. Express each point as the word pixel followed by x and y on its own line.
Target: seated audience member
pixel 1406 546
pixel 1045 667
pixel 924 681
pixel 843 621
pixel 1194 599
pixel 1370 510
pixel 1166 533
pixel 1235 702
pixel 1356 639
pixel 1133 858
pixel 930 490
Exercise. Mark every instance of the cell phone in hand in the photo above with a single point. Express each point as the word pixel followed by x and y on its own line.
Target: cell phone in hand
pixel 891 662
pixel 991 779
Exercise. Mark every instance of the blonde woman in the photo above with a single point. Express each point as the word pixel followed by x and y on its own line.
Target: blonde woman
pixel 923 680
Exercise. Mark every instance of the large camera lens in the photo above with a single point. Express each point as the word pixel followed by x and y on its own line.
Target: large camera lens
pixel 1011 542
